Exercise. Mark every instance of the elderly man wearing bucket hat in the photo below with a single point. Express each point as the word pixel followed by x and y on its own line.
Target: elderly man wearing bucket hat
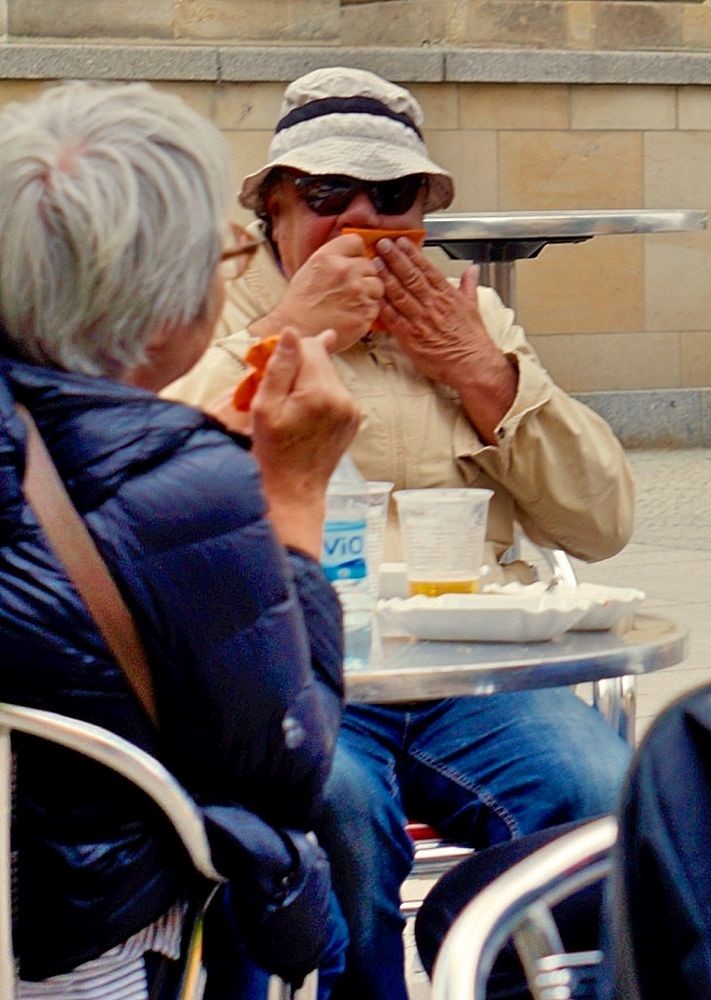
pixel 452 394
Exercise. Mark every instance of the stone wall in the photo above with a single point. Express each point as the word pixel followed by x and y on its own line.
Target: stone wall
pixel 574 24
pixel 533 104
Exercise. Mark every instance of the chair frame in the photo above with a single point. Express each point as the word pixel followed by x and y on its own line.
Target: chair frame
pixel 432 858
pixel 146 773
pixel 517 905
pixel 613 697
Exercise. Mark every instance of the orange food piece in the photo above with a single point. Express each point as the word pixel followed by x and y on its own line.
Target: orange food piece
pixel 257 357
pixel 371 236
pixel 259 353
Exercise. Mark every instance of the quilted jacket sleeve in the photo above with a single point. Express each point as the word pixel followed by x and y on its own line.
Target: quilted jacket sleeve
pixel 245 638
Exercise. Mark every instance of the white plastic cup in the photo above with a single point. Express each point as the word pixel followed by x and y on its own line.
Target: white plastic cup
pixel 378 497
pixel 443 533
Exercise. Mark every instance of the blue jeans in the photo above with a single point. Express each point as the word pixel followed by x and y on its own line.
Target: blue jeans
pixel 480 770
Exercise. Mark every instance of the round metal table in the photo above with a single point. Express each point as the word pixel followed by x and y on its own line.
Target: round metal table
pixel 405 670
pixel 496 240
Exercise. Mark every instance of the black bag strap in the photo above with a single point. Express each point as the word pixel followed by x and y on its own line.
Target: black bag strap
pixel 76 550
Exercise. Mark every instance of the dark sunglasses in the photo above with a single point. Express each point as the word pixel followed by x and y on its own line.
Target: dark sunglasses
pixel 332 194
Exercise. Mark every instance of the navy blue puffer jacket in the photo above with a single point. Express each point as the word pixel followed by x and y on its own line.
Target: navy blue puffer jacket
pixel 243 640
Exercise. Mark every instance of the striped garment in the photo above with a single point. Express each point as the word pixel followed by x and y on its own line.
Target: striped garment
pixel 118 974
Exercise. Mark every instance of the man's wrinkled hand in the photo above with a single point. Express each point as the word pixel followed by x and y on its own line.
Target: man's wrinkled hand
pixel 337 288
pixel 438 325
pixel 441 329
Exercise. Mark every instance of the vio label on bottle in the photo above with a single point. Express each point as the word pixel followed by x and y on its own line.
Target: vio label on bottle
pixel 344 550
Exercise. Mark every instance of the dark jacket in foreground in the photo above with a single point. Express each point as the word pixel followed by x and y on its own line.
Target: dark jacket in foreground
pixel 243 640
pixel 659 904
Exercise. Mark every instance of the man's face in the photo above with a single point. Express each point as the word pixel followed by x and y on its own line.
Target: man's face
pixel 298 231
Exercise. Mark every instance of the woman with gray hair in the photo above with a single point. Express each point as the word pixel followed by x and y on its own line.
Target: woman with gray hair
pixel 112 208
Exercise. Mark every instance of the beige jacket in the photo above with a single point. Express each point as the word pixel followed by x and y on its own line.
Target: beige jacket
pixel 557 470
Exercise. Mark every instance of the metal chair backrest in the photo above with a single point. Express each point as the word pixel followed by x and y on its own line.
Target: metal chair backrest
pixel 518 905
pixel 614 697
pixel 142 770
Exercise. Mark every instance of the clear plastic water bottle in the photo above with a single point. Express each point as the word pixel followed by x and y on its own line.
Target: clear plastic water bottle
pixel 345 560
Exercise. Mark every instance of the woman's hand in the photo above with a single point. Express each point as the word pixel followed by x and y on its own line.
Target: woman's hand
pixel 303 419
pixel 222 408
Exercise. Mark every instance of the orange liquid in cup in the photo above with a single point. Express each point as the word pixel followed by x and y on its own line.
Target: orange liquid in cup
pixel 434 588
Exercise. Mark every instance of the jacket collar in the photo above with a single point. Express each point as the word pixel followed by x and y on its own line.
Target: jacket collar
pixel 98 431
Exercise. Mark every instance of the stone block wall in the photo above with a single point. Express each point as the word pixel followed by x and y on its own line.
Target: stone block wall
pixel 616 312
pixel 574 24
pixel 533 104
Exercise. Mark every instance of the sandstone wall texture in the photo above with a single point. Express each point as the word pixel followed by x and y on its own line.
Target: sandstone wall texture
pixel 575 24
pixel 533 104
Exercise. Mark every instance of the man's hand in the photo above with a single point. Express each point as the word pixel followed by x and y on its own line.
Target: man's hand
pixel 336 288
pixel 440 328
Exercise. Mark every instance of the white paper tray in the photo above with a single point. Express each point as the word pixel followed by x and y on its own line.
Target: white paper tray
pixel 482 617
pixel 608 605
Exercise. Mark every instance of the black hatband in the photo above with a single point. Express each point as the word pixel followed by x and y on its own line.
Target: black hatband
pixel 344 106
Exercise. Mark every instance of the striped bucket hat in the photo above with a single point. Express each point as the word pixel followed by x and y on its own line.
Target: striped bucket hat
pixel 339 120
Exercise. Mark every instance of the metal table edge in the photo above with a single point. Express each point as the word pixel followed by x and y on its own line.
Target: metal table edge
pixel 424 683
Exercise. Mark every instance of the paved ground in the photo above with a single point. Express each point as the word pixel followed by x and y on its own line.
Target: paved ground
pixel 669 558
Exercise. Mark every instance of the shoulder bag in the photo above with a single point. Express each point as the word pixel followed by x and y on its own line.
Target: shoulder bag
pixel 277 896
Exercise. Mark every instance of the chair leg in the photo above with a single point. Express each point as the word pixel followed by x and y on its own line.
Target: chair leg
pixel 279 990
pixel 309 989
pixel 615 699
pixel 193 981
pixel 7 962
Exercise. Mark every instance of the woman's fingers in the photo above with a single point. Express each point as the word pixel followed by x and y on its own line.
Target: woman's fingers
pixel 301 391
pixel 329 339
pixel 282 368
pixel 223 409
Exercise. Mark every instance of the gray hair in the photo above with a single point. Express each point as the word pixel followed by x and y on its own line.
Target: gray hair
pixel 113 204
